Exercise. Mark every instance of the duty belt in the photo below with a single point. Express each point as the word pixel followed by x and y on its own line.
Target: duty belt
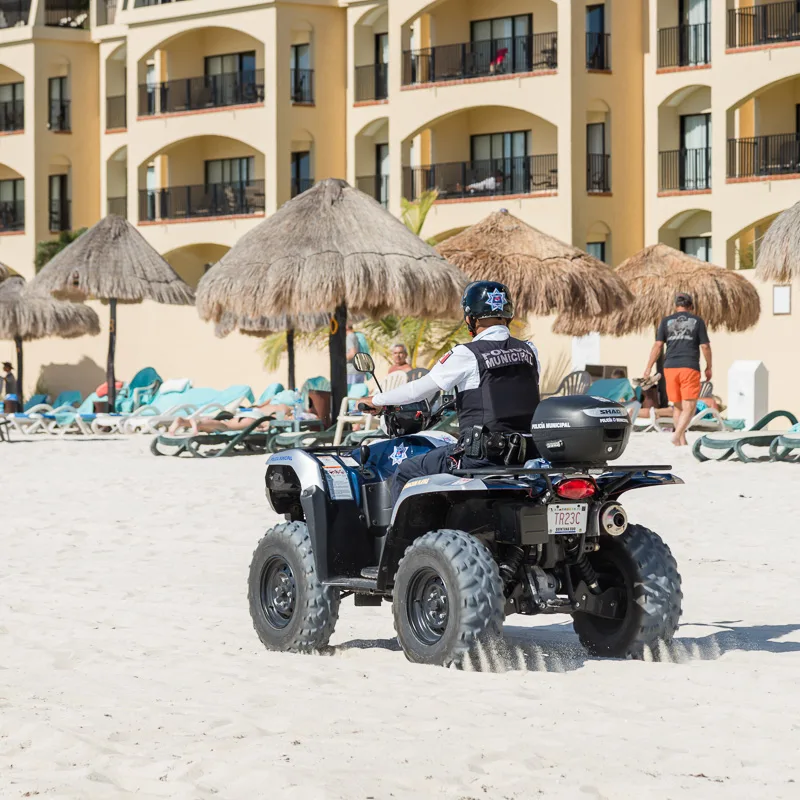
pixel 507 448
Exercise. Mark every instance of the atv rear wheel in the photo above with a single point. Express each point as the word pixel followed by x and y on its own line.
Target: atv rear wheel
pixel 291 609
pixel 448 599
pixel 643 568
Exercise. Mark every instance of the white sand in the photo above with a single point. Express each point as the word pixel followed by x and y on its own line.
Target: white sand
pixel 129 667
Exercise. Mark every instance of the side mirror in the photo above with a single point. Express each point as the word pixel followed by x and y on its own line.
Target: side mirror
pixel 363 363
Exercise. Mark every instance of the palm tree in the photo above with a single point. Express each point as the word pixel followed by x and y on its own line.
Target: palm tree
pixel 47 250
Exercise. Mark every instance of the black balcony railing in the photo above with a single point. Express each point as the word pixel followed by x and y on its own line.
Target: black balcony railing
pixel 769 23
pixel 144 3
pixel 490 178
pixel 12 215
pixel 59 215
pixel 207 91
pixel 12 116
pixel 67 13
pixel 204 200
pixel 684 46
pixel 376 186
pixel 778 154
pixel 598 51
pixel 106 12
pixel 598 172
pixel 14 13
pixel 372 82
pixel 300 185
pixel 116 112
pixel 684 170
pixel 59 119
pixel 453 62
pixel 118 206
pixel 302 85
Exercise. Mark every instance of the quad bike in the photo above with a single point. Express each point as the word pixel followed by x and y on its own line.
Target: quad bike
pixel 459 552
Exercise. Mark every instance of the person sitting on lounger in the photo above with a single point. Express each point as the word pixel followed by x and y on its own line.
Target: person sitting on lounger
pixel 225 421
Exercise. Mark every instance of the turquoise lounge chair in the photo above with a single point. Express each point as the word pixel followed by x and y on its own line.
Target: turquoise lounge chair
pixel 269 393
pixel 33 418
pixel 733 442
pixel 139 392
pixel 783 447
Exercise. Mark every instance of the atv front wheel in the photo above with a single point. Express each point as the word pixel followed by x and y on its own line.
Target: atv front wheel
pixel 641 566
pixel 448 599
pixel 291 609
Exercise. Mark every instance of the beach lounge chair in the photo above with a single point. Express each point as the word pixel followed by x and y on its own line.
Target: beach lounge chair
pixel 32 420
pixel 783 446
pixel 575 383
pixel 73 420
pixel 214 445
pixel 269 394
pixel 731 443
pixel 139 392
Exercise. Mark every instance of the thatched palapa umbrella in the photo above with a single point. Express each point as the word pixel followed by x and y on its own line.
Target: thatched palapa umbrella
pixel 544 274
pixel 330 250
pixel 779 252
pixel 113 261
pixel 27 314
pixel 655 275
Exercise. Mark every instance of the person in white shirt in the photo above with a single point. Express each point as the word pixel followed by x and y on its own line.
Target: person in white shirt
pixel 496 378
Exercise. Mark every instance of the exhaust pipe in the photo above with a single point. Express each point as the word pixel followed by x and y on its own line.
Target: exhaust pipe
pixel 613 519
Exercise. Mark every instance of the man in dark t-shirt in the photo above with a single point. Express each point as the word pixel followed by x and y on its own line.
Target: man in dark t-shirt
pixel 685 336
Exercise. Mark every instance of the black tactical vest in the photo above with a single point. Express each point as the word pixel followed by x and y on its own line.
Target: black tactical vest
pixel 508 393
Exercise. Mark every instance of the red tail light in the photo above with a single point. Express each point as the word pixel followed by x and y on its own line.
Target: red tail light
pixel 576 489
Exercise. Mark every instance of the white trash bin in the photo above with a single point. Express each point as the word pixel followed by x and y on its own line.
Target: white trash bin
pixel 748 391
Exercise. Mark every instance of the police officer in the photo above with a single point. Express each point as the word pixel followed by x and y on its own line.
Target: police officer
pixel 496 378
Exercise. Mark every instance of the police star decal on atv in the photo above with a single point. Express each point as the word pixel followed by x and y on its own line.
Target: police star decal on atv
pixel 399 455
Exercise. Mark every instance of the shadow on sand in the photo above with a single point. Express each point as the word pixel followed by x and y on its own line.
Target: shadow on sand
pixel 555 648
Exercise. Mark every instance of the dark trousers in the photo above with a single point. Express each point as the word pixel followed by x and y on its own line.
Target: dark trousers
pixel 434 462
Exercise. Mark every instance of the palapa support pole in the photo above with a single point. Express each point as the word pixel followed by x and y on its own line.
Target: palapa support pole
pixel 20 398
pixel 290 358
pixel 337 345
pixel 112 343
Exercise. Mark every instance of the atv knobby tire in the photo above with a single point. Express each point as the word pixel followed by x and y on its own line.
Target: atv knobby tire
pixel 447 599
pixel 291 609
pixel 641 564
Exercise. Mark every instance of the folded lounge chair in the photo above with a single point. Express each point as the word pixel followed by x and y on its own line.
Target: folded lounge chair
pixel 733 442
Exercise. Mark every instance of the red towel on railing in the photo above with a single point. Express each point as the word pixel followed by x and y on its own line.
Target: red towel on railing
pixel 500 57
pixel 102 389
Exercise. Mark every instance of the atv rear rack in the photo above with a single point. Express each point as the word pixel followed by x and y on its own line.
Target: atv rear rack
pixel 576 469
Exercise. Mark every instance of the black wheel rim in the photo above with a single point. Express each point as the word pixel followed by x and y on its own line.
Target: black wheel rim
pixel 428 606
pixel 278 592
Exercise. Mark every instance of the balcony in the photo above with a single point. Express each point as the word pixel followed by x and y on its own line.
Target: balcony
pixel 524 175
pixel 372 82
pixel 684 46
pixel 118 206
pixel 116 113
pixel 684 170
pixel 376 186
pixel 300 185
pixel 59 215
pixel 14 13
pixel 302 86
pixel 598 173
pixel 758 26
pixel 144 3
pixel 106 12
pixel 12 216
pixel 12 116
pixel 59 119
pixel 598 51
pixel 764 156
pixel 67 14
pixel 201 93
pixel 489 58
pixel 202 201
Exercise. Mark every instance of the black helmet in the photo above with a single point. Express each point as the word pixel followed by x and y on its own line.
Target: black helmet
pixel 484 299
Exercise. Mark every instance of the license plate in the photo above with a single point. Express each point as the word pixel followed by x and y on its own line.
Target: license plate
pixel 567 518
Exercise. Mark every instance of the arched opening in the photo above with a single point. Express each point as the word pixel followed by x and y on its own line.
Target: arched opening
pixel 117 183
pixel 372 160
pixel 743 246
pixel 598 242
pixel 199 69
pixel 689 232
pixel 12 200
pixel 302 162
pixel 453 40
pixel 116 92
pixel 598 147
pixel 483 151
pixel 201 177
pixel 59 179
pixel 764 132
pixel 684 140
pixel 194 260
pixel 371 55
pixel 12 100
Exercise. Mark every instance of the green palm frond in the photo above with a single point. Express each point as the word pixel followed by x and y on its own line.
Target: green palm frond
pixel 415 211
pixel 272 348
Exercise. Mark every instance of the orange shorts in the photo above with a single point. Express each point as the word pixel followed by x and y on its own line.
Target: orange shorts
pixel 682 384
